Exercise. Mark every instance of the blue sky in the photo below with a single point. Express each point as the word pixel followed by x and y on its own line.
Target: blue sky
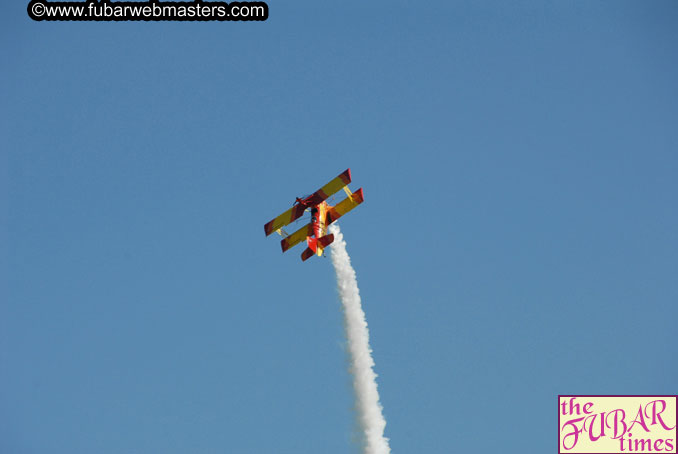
pixel 518 239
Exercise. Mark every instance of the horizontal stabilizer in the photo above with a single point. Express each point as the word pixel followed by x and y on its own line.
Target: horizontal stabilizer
pixel 326 240
pixel 307 254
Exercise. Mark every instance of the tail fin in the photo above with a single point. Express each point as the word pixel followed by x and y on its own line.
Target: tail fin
pixel 326 240
pixel 312 243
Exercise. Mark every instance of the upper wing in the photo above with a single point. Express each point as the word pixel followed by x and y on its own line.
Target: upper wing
pixel 343 207
pixel 297 237
pixel 321 194
pixel 288 216
pixel 330 188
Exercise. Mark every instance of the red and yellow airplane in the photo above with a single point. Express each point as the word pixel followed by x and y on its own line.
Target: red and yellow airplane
pixel 322 215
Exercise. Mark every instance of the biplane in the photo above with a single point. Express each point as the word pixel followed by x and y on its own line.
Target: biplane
pixel 322 215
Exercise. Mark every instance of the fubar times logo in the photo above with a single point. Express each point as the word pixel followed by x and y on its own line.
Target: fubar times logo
pixel 617 424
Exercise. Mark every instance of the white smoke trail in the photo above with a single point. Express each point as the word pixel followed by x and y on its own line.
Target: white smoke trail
pixel 370 418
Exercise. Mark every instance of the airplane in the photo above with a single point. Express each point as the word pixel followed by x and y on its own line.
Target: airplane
pixel 322 215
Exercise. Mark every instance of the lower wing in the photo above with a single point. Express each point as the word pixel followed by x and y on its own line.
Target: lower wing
pixel 297 237
pixel 346 205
